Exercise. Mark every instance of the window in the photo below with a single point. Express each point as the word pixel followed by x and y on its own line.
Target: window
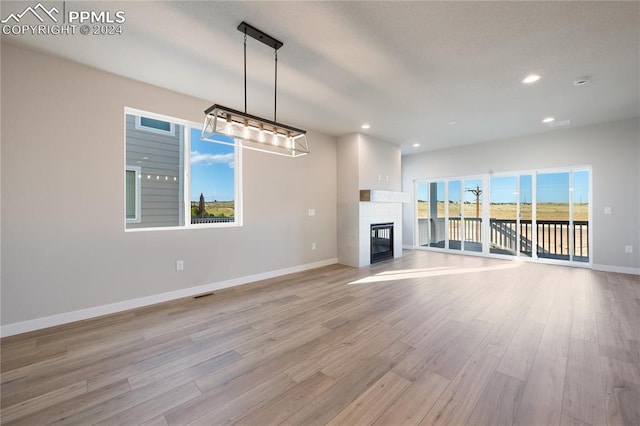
pixel 132 194
pixel 174 179
pixel 154 125
pixel 212 181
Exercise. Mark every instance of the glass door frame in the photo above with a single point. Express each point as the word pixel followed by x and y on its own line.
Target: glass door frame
pixel 484 231
pixel 486 202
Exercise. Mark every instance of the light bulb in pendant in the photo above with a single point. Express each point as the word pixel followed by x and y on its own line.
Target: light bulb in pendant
pixel 274 140
pixel 261 137
pixel 290 144
pixel 245 130
pixel 228 129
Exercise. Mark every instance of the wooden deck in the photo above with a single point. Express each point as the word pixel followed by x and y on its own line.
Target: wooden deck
pixel 430 338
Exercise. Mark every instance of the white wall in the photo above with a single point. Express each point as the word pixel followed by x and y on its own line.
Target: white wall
pixel 379 164
pixel 348 196
pixel 613 151
pixel 365 162
pixel 63 242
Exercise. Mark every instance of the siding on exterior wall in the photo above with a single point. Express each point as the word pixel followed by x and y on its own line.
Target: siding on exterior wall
pixel 160 158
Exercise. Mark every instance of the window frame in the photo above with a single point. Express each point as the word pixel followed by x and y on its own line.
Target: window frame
pixel 186 173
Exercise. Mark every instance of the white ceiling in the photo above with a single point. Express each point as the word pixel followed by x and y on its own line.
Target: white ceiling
pixel 407 68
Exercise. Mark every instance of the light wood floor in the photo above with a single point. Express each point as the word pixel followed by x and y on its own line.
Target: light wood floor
pixel 426 339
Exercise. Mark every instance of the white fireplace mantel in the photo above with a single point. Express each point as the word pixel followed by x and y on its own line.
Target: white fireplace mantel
pixel 380 196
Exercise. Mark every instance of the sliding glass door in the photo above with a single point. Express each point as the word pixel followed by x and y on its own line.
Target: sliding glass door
pixel 430 213
pixel 464 214
pixel 472 215
pixel 552 215
pixel 454 215
pixel 543 215
pixel 580 215
pixel 422 213
pixel 504 215
pixel 562 215
pixel 449 214
pixel 525 215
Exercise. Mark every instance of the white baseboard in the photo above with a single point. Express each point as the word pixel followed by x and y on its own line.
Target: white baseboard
pixel 408 247
pixel 619 269
pixel 125 305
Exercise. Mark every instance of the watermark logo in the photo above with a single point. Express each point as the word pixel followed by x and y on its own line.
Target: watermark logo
pixel 16 17
pixel 46 19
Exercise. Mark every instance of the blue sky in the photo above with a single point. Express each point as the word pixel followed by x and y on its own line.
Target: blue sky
pixel 212 169
pixel 554 187
pixel 551 188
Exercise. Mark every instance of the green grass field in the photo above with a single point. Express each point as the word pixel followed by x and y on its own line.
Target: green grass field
pixel 215 208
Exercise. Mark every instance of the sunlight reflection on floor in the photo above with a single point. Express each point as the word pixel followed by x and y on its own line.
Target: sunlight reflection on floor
pixel 431 272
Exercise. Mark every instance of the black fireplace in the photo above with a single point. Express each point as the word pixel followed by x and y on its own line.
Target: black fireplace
pixel 381 242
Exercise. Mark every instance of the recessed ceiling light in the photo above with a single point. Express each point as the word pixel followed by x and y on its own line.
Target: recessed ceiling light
pixel 366 126
pixel 531 78
pixel 548 120
pixel 452 123
pixel 415 145
pixel 581 81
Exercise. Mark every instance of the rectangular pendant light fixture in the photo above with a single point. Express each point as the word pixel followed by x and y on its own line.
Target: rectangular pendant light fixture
pixel 249 131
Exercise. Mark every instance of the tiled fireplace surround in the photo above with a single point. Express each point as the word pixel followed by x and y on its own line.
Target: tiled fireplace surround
pixel 378 212
pixel 369 183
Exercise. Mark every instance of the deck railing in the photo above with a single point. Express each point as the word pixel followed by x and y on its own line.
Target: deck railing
pixel 552 235
pixel 553 238
pixel 472 229
pixel 211 219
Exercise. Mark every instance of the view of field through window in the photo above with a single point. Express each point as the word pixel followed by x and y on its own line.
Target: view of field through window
pixel 450 214
pixel 544 211
pixel 212 191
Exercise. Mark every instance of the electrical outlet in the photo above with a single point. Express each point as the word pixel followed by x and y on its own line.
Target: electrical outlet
pixel 179 265
pixel 313 246
pixel 311 212
pixel 628 249
pixel 607 210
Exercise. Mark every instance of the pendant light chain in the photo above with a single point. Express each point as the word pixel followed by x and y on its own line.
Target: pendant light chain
pixel 275 90
pixel 245 72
